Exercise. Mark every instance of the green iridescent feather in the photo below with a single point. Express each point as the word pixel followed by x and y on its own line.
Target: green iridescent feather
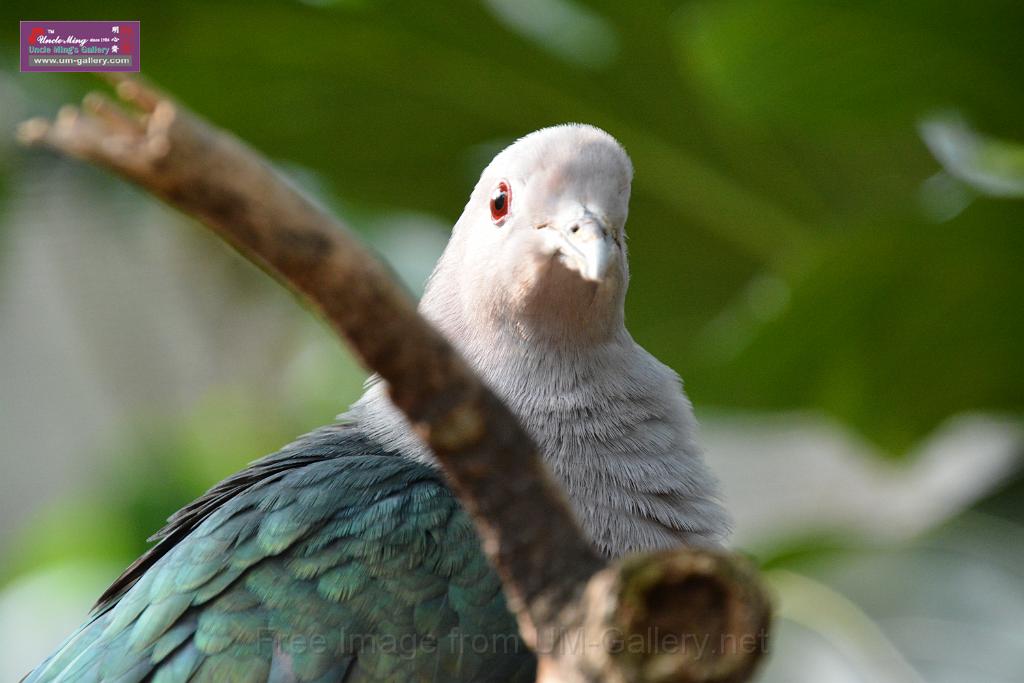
pixel 330 560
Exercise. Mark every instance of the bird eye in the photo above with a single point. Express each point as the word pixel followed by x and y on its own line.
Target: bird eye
pixel 501 199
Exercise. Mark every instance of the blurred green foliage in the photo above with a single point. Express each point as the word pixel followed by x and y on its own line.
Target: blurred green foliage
pixel 783 249
pixel 776 143
pixel 157 466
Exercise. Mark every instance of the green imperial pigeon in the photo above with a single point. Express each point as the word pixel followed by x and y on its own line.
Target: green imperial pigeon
pixel 345 556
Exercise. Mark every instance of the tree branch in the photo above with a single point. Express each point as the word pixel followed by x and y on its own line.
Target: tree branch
pixel 556 584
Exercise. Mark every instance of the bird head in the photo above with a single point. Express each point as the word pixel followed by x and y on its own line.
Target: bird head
pixel 540 246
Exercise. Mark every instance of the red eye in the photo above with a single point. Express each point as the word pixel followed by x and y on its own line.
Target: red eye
pixel 501 199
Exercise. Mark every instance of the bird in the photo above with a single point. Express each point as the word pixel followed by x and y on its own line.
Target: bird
pixel 345 556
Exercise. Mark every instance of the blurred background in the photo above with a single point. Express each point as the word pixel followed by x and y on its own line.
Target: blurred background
pixel 827 243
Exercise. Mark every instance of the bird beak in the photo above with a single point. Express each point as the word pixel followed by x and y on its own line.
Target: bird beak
pixel 588 245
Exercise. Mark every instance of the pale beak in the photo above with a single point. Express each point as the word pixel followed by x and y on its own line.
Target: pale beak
pixel 588 245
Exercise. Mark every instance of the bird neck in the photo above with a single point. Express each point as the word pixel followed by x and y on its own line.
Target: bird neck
pixel 611 422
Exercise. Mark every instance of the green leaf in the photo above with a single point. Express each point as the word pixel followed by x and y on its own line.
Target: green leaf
pixel 900 326
pixel 989 165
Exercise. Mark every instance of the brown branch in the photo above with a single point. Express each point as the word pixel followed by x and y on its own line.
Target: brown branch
pixel 557 586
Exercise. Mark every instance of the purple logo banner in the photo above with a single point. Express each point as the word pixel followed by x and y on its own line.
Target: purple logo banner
pixel 80 46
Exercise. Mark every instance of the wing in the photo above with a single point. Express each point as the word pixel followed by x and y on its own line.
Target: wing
pixel 336 562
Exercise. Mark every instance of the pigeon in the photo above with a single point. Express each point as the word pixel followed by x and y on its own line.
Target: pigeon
pixel 345 556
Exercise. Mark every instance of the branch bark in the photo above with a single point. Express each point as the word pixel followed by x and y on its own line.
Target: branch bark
pixel 686 615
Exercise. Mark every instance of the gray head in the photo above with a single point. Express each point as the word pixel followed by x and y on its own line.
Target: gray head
pixel 541 243
pixel 531 290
